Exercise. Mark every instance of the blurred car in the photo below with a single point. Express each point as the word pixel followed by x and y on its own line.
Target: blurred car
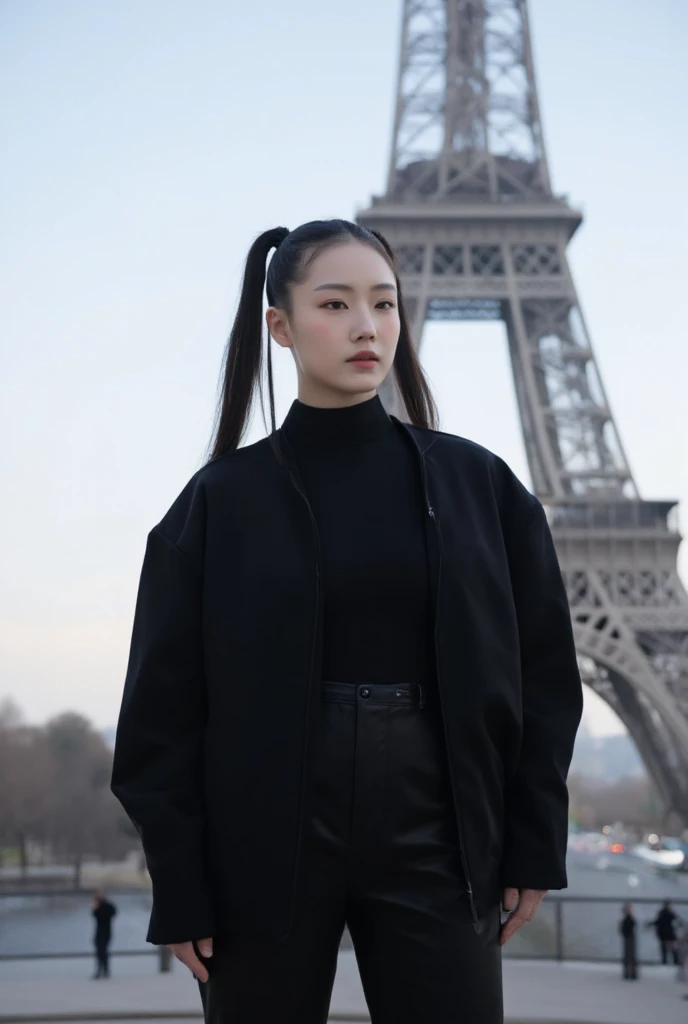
pixel 667 852
pixel 595 843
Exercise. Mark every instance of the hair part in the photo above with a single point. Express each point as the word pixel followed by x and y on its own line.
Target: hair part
pixel 242 369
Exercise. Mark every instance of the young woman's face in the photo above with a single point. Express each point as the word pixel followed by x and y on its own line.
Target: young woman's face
pixel 346 305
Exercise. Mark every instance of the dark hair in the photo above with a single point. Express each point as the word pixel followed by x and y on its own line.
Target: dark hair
pixel 243 361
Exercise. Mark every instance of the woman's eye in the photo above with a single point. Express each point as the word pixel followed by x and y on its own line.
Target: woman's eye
pixel 386 303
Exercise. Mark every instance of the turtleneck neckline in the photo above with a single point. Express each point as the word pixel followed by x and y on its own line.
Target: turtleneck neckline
pixel 317 427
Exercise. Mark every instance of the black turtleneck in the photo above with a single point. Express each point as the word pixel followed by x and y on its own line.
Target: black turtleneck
pixel 363 482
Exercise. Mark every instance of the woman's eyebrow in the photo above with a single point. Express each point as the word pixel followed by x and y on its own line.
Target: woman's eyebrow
pixel 348 287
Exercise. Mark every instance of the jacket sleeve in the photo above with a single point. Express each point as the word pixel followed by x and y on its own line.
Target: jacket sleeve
pixel 157 768
pixel 536 832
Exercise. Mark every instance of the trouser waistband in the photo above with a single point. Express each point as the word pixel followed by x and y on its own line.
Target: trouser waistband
pixel 375 693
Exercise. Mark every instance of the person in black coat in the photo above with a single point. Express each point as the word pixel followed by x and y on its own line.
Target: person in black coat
pixel 352 691
pixel 664 925
pixel 629 955
pixel 103 912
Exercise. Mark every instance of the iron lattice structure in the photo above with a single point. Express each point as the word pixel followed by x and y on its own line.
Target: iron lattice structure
pixel 479 234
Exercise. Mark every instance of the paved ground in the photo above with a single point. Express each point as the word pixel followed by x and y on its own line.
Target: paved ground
pixel 542 992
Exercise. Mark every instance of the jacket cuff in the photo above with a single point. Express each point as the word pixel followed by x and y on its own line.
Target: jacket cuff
pixel 523 872
pixel 182 912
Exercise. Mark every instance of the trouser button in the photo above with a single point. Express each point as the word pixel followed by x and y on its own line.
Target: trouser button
pixel 364 691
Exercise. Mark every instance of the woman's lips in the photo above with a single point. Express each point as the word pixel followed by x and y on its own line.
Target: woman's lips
pixel 365 359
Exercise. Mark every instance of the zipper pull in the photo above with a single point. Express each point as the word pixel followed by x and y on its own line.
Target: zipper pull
pixel 421 702
pixel 431 511
pixel 474 913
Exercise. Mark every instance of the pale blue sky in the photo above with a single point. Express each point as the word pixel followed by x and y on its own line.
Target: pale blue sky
pixel 146 142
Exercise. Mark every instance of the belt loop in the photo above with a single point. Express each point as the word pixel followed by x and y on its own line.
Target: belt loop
pixel 421 702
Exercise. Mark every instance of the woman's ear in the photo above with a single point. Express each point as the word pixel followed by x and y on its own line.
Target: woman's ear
pixel 278 326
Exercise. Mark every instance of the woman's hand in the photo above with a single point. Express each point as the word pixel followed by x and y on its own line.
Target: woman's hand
pixel 523 903
pixel 185 952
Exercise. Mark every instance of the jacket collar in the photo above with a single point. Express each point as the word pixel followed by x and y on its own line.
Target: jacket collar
pixel 420 440
pixel 309 426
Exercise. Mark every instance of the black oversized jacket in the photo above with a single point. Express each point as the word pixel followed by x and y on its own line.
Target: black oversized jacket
pixel 213 750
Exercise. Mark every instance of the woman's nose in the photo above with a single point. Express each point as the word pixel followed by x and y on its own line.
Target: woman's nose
pixel 365 328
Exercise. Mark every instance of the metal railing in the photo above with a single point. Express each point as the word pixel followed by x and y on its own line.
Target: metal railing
pixel 548 937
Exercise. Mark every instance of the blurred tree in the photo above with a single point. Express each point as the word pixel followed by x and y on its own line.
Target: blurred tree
pixel 55 795
pixel 84 813
pixel 25 794
pixel 630 799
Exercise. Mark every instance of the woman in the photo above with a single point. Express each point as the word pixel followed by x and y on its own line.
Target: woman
pixel 352 690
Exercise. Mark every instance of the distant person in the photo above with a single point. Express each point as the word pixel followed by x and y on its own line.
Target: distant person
pixel 682 950
pixel 629 954
pixel 103 911
pixel 664 925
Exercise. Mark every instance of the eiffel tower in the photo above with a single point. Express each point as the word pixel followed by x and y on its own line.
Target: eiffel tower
pixel 480 235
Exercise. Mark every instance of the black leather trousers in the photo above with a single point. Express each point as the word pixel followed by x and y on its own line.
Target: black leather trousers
pixel 381 857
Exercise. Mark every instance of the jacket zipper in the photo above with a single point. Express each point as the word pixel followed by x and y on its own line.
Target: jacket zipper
pixel 462 850
pixel 308 698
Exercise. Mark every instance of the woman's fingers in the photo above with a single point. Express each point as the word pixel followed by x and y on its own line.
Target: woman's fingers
pixel 528 903
pixel 510 899
pixel 512 924
pixel 185 952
